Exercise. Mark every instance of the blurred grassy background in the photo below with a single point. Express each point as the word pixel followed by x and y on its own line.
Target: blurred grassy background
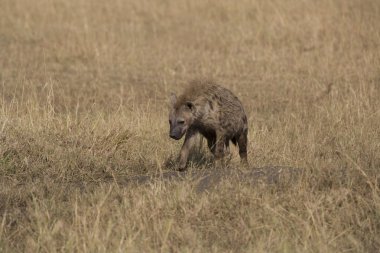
pixel 84 87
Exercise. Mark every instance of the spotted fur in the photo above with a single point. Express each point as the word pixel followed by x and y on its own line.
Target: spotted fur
pixel 214 112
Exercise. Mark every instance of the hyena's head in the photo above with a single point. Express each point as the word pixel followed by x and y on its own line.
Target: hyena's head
pixel 180 117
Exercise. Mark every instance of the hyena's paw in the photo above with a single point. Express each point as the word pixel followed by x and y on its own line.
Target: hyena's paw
pixel 244 163
pixel 181 169
pixel 182 166
pixel 228 157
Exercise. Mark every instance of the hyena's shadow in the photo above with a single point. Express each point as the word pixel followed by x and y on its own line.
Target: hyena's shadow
pixel 199 156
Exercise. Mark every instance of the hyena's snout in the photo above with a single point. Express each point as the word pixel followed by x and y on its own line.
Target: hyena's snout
pixel 174 136
pixel 176 133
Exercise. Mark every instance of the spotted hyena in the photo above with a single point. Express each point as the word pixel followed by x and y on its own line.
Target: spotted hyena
pixel 214 112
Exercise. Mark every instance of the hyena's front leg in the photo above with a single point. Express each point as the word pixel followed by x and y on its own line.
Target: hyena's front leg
pixel 219 149
pixel 243 143
pixel 190 140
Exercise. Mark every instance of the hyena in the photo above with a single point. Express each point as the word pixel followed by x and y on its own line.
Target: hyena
pixel 214 112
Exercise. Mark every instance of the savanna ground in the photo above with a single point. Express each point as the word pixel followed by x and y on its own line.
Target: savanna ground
pixel 84 89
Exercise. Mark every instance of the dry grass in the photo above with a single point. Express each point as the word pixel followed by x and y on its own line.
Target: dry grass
pixel 83 103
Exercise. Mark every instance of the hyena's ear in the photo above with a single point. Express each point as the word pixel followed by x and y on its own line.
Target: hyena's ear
pixel 173 99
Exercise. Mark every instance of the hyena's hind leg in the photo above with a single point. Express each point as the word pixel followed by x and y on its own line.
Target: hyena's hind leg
pixel 227 147
pixel 227 151
pixel 211 143
pixel 220 149
pixel 217 148
pixel 242 142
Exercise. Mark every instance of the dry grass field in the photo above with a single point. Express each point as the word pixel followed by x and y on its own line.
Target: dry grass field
pixel 84 89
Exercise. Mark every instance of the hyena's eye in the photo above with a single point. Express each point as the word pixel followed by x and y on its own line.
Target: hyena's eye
pixel 181 121
pixel 170 122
